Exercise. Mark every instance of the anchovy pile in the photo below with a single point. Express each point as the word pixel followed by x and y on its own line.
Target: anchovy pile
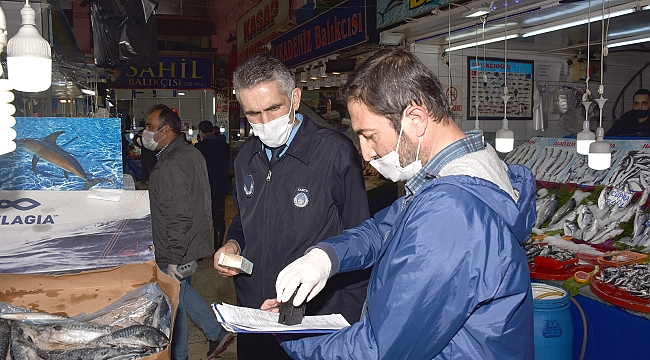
pixel 634 279
pixel 534 250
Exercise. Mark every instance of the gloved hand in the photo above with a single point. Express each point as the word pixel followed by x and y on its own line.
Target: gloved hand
pixel 310 272
pixel 172 270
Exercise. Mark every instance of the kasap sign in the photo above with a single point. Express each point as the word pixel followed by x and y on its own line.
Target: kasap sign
pixel 258 26
pixel 172 72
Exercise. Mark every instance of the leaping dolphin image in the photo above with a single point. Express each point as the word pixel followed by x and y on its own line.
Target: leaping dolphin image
pixel 391 5
pixel 47 149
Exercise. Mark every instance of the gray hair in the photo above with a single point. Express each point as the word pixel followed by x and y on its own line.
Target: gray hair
pixel 261 68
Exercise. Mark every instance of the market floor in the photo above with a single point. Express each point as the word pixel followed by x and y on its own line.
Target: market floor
pixel 213 288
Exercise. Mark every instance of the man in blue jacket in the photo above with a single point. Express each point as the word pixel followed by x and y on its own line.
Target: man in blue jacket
pixel 450 277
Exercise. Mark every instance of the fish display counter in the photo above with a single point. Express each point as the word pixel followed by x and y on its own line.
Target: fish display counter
pixel 592 236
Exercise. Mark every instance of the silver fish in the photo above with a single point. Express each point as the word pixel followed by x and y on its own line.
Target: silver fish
pixel 570 228
pixel 590 230
pixel 570 217
pixel 136 335
pixel 600 236
pixel 607 235
pixel 563 211
pixel 546 211
pixel 5 331
pixel 95 353
pixel 602 198
pixel 19 349
pixel 644 197
pixel 585 217
pixel 558 162
pixel 47 336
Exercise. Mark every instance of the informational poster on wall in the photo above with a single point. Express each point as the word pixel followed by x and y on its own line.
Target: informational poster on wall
pixel 65 231
pixel 64 154
pixel 485 84
pixel 556 160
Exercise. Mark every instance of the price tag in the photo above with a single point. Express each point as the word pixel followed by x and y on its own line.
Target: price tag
pixel 619 197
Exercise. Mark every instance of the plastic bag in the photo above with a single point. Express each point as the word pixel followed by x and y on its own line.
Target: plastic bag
pixel 124 33
pixel 540 119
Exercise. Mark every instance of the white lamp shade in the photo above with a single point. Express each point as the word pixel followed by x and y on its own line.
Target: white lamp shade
pixel 505 140
pixel 582 146
pixel 29 57
pixel 600 156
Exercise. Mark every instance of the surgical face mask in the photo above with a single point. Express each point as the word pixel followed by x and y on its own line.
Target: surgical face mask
pixel 148 141
pixel 389 165
pixel 640 114
pixel 275 132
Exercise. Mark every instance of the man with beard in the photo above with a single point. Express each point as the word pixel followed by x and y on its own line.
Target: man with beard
pixel 634 122
pixel 450 277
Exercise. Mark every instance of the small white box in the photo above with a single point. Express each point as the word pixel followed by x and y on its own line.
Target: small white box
pixel 236 262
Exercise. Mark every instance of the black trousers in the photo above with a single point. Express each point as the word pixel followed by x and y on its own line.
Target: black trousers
pixel 219 219
pixel 259 347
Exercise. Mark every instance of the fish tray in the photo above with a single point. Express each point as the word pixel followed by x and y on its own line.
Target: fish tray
pixel 619 297
pixel 544 273
pixel 554 264
pixel 620 258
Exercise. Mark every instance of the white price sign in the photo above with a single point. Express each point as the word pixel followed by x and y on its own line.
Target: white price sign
pixel 619 197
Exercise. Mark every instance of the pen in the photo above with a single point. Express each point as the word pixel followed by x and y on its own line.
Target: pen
pixel 270 307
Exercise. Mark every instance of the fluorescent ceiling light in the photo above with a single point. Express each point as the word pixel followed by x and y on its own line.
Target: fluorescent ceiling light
pixel 567 23
pixel 390 38
pixel 181 93
pixel 628 41
pixel 477 12
pixel 88 92
pixel 482 42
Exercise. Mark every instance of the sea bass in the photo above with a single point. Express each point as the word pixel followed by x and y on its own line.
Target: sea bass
pixel 585 217
pixel 546 211
pixel 564 210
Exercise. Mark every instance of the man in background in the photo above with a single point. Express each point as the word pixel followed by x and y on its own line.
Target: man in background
pixel 634 122
pixel 179 194
pixel 217 158
pixel 296 183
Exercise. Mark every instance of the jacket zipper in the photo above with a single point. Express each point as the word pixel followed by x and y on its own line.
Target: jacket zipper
pixel 268 176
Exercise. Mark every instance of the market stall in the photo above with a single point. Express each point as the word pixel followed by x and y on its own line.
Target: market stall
pixel 592 236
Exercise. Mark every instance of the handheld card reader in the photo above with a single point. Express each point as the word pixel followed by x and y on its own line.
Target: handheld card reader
pixel 289 314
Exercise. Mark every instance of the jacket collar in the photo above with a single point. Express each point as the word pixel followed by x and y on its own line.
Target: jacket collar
pixel 176 142
pixel 301 144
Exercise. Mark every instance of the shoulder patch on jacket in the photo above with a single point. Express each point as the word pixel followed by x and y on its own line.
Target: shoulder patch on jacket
pixel 249 185
pixel 301 197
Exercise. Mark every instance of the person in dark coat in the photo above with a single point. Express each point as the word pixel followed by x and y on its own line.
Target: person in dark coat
pixel 296 183
pixel 217 158
pixel 634 122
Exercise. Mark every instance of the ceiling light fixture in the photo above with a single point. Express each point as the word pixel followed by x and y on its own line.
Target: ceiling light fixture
pixel 505 138
pixel 29 57
pixel 180 93
pixel 629 41
pixel 586 136
pixel 600 156
pixel 88 92
pixel 571 22
pixel 479 11
pixel 7 109
pixel 390 38
pixel 482 42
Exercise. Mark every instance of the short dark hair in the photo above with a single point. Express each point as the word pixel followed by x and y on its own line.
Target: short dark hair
pixel 391 80
pixel 205 127
pixel 167 117
pixel 642 92
pixel 261 68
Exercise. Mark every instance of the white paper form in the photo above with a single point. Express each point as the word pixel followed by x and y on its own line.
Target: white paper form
pixel 241 319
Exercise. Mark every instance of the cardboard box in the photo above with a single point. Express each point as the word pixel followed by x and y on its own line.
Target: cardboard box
pixel 88 291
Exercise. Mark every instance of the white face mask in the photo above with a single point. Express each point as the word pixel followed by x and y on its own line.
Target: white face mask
pixel 275 132
pixel 148 141
pixel 389 165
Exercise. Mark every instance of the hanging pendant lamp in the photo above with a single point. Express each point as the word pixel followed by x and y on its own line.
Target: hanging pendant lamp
pixel 600 155
pixel 505 138
pixel 586 136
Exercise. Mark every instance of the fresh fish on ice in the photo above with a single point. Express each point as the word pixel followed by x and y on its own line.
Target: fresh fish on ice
pixel 571 216
pixel 640 219
pixel 570 228
pixel 541 193
pixel 599 239
pixel 591 230
pixel 585 217
pixel 563 211
pixel 604 232
pixel 602 198
pixel 546 211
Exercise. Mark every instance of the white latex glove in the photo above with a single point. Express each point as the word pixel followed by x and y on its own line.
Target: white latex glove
pixel 172 270
pixel 310 272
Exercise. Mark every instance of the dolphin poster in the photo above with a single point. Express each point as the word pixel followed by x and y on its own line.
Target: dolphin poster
pixel 64 154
